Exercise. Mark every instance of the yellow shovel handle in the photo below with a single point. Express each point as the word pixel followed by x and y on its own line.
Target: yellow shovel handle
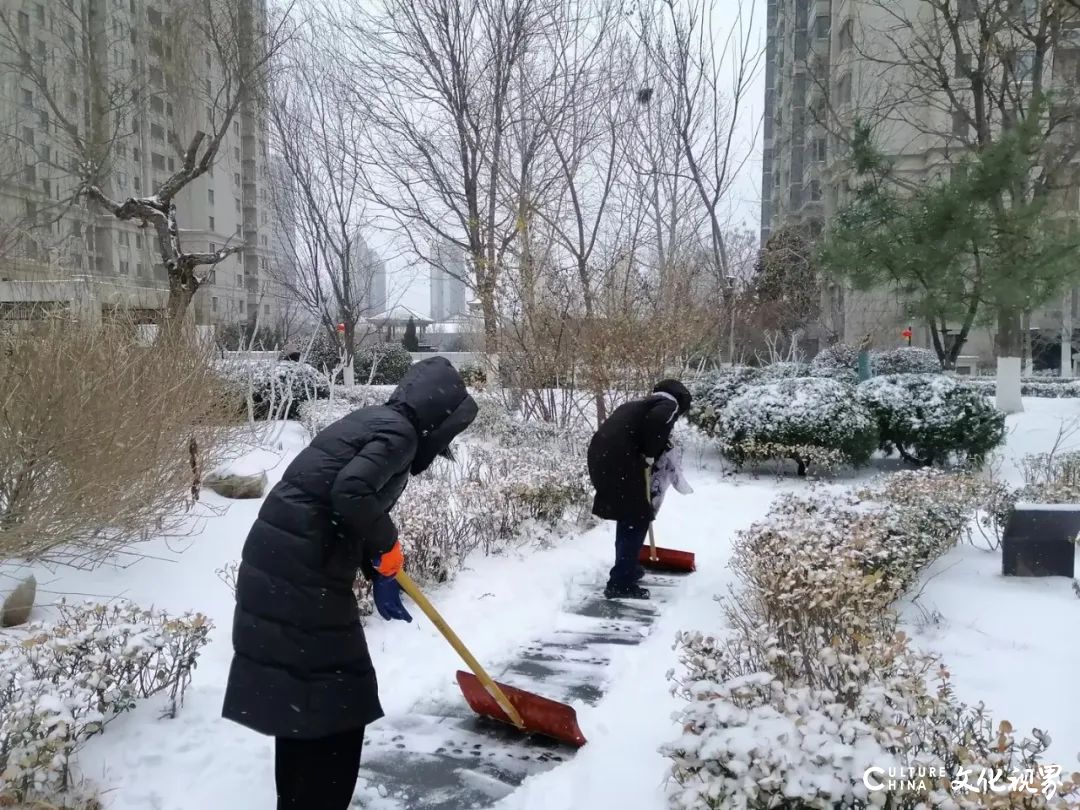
pixel 407 585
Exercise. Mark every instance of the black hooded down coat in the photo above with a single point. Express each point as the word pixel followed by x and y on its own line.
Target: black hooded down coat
pixel 635 431
pixel 301 667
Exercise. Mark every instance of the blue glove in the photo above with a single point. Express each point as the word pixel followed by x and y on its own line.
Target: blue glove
pixel 387 595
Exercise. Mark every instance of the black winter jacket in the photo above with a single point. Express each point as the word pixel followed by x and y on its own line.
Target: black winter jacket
pixel 633 432
pixel 301 667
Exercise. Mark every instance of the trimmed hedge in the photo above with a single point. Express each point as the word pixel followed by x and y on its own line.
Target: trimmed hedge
pixel 932 418
pixel 810 420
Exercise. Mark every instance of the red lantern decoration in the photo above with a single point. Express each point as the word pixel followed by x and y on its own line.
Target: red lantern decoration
pixel 907 333
pixel 341 328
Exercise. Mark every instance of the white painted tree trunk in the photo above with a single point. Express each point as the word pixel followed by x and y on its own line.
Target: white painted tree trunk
pixel 1066 334
pixel 1008 384
pixel 348 376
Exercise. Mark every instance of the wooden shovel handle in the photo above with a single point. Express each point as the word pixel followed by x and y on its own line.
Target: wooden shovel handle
pixel 407 585
pixel 648 500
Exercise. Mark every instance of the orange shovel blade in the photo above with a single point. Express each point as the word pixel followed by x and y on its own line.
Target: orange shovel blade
pixel 540 715
pixel 667 559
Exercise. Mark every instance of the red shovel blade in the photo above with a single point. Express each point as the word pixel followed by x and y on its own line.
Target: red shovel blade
pixel 667 559
pixel 541 716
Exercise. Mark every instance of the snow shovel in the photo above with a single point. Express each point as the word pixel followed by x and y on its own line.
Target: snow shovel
pixel 663 559
pixel 529 712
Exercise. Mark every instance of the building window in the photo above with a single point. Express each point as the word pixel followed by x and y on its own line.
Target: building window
pixel 27 98
pixel 211 223
pixel 963 66
pixel 843 89
pixel 138 241
pixel 239 229
pixel 236 152
pixel 213 304
pixel 266 309
pixel 157 105
pixel 236 178
pixel 815 190
pixel 236 128
pixel 29 175
pixel 124 268
pixel 157 161
pixel 136 182
pixel 212 247
pixel 237 205
pixel 209 88
pixel 24 23
pixel 239 279
pixel 820 149
pixel 210 196
pixel 157 132
pixel 959 123
pixel 40 9
pixel 41 52
pixel 241 307
pixel 966 9
pixel 172 165
pixel 847 35
pixel 822 26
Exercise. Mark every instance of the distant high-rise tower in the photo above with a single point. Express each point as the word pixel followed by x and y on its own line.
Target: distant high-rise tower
pixel 448 289
pixel 371 278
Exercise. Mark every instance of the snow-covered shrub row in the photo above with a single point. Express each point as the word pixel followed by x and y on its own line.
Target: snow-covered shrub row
pixel 711 393
pixel 274 389
pixel 814 683
pixel 933 418
pixel 838 362
pixel 1041 388
pixel 62 683
pixel 905 360
pixel 789 418
pixel 391 360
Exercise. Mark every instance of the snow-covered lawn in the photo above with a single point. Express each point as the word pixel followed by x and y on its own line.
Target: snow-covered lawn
pixel 1005 641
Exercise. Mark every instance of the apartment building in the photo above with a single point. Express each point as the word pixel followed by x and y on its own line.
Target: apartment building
pixel 828 61
pixel 127 77
pixel 447 288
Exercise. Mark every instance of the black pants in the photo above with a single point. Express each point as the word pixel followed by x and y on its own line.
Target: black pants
pixel 317 774
pixel 629 538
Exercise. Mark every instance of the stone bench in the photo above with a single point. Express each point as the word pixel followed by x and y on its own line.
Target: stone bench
pixel 1040 540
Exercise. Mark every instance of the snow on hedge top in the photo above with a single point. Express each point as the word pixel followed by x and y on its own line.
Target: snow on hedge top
pixel 906 360
pixel 925 401
pixel 813 410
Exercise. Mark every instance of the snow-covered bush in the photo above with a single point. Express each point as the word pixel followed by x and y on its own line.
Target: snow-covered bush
pixel 474 375
pixel 320 413
pixel 784 370
pixel 933 418
pixel 814 683
pixel 1041 388
pixel 752 740
pixel 62 683
pixel 805 419
pixel 1050 478
pixel 838 362
pixel 325 353
pixel 275 390
pixel 905 360
pixel 711 393
pixel 390 360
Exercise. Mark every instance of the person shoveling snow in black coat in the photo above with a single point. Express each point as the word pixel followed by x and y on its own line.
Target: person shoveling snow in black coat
pixel 623 450
pixel 301 671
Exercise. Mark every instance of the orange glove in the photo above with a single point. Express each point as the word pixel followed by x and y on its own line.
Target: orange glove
pixel 390 563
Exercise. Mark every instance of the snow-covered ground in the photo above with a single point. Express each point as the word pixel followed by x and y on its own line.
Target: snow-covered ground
pixel 1005 641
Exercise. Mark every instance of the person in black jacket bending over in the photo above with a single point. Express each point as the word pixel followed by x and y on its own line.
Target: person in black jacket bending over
pixel 301 671
pixel 627 444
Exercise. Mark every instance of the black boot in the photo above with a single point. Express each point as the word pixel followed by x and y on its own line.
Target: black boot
pixel 639 574
pixel 625 592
